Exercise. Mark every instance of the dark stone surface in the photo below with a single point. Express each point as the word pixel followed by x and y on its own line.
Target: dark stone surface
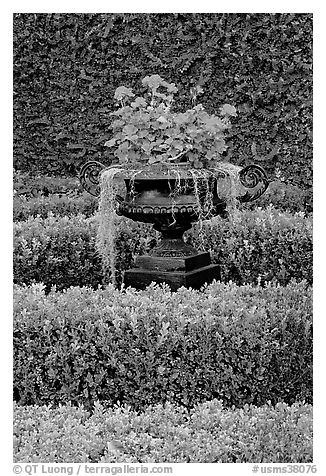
pixel 190 271
pixel 185 263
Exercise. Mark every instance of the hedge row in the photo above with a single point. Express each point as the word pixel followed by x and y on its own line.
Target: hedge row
pixel 238 344
pixel 29 185
pixel 67 67
pixel 58 205
pixel 259 245
pixel 263 244
pixel 282 197
pixel 207 434
pixel 285 197
pixel 57 251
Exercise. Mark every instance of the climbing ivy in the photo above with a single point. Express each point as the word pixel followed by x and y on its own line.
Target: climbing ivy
pixel 67 67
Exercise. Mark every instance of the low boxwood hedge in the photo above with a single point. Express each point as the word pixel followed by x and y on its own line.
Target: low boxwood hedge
pixel 28 185
pixel 239 344
pixel 58 251
pixel 58 205
pixel 208 433
pixel 258 245
pixel 285 197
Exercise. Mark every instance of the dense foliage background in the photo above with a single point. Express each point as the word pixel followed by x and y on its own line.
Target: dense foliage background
pixel 67 66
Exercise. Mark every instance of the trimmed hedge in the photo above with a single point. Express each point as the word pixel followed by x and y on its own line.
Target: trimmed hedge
pixel 260 245
pixel 263 244
pixel 67 67
pixel 57 251
pixel 42 206
pixel 29 186
pixel 238 344
pixel 207 434
pixel 284 197
pixel 281 196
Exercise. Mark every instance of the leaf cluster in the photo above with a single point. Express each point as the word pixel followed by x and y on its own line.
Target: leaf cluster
pixel 209 433
pixel 240 344
pixel 147 131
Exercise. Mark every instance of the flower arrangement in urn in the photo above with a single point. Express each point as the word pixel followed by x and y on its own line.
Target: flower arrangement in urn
pixel 169 167
pixel 147 131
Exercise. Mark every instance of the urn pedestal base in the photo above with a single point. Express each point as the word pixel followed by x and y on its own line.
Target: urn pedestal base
pixel 189 271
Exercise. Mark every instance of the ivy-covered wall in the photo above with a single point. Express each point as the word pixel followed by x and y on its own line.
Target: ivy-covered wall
pixel 67 66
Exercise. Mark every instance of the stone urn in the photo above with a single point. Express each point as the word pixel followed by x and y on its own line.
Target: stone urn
pixel 172 200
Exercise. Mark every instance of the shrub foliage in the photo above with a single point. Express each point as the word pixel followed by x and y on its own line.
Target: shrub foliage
pixel 28 186
pixel 57 251
pixel 260 245
pixel 208 433
pixel 57 205
pixel 67 67
pixel 238 344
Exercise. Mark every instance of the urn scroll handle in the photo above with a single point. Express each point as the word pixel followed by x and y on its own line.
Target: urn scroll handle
pixel 254 179
pixel 89 177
